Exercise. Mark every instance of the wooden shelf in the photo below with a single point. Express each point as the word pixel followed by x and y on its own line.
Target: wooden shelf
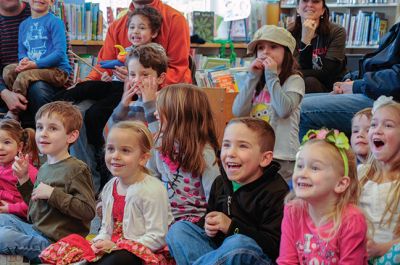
pixel 239 45
pixel 347 5
pixel 87 42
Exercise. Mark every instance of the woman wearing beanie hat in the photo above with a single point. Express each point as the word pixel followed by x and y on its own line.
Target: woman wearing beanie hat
pixel 273 91
pixel 320 46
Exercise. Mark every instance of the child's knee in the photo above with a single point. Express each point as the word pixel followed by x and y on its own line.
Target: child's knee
pixel 238 241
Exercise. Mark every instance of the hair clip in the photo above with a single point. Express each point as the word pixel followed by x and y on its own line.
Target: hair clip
pixel 381 101
pixel 334 137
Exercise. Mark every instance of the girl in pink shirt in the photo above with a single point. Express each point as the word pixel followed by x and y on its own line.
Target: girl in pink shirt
pixel 322 225
pixel 15 141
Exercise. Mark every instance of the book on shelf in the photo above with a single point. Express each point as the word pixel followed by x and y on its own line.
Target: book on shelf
pixel 83 19
pixel 203 24
pixel 363 29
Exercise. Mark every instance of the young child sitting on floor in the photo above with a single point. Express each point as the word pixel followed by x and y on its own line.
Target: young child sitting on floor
pixel 61 201
pixel 245 209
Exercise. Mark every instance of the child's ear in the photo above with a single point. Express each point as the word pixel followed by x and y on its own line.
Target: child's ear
pixel 161 78
pixel 144 158
pixel 266 158
pixel 342 184
pixel 154 35
pixel 72 136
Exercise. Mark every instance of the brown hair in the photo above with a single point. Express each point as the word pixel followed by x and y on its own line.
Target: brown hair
pixel 152 15
pixel 349 196
pixel 69 114
pixel 367 112
pixel 24 136
pixel 150 55
pixel 145 138
pixel 323 27
pixel 186 126
pixel 289 67
pixel 374 173
pixel 266 135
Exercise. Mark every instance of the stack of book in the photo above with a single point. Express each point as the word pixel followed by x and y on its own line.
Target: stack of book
pixel 220 77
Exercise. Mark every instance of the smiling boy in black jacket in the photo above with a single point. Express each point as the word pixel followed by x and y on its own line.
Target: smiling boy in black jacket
pixel 245 209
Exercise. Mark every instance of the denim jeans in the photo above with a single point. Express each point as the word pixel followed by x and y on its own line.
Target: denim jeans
pixel 19 238
pixel 189 244
pixel 39 93
pixel 82 150
pixel 331 111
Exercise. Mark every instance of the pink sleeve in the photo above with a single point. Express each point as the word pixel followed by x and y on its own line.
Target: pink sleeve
pixel 20 208
pixel 353 239
pixel 287 251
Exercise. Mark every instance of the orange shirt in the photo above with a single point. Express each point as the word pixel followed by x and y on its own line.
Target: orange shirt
pixel 173 36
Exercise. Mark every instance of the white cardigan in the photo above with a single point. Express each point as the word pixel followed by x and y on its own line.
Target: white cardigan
pixel 147 213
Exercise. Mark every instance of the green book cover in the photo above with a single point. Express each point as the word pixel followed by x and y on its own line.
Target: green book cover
pixel 203 24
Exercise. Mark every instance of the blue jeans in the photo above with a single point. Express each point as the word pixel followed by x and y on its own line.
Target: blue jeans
pixel 19 238
pixel 331 111
pixel 189 244
pixel 84 151
pixel 39 93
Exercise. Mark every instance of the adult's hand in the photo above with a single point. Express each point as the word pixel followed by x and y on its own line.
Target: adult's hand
pixel 121 72
pixel 308 30
pixel 343 87
pixel 15 102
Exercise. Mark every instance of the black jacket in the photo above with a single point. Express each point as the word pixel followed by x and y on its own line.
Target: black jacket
pixel 256 209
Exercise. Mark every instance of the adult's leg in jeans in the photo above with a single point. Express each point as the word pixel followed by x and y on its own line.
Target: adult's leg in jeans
pixel 91 89
pixel 187 242
pixel 120 257
pixel 19 238
pixel 236 249
pixel 84 151
pixel 331 111
pixel 39 93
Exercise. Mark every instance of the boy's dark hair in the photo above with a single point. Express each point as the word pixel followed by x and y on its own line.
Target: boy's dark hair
pixel 69 114
pixel 150 55
pixel 151 14
pixel 266 135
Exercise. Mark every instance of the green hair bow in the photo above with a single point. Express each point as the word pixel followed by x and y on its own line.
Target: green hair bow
pixel 334 137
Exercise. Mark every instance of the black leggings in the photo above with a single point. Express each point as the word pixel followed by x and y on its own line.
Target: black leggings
pixel 120 257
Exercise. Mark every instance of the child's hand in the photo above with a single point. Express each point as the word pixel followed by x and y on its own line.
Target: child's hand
pixel 377 249
pixel 24 61
pixel 43 191
pixel 3 207
pixel 106 77
pixel 270 64
pixel 102 246
pixel 130 89
pixel 257 66
pixel 121 72
pixel 26 66
pixel 216 221
pixel 149 88
pixel 20 167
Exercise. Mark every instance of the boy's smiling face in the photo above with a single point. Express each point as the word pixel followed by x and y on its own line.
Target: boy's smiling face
pixel 241 154
pixel 52 138
pixel 40 7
